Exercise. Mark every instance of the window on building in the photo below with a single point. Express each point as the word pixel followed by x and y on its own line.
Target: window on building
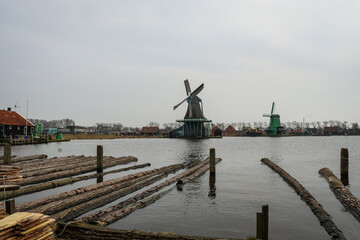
pixel 10 127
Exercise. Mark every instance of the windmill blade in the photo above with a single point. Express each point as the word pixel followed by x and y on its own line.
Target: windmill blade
pixel 190 110
pixel 272 108
pixel 187 87
pixel 197 91
pixel 176 106
pixel 266 115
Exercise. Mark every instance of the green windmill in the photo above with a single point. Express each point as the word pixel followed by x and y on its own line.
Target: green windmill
pixel 274 128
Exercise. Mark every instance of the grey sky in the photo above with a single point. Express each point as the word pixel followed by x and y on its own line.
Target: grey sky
pixel 125 61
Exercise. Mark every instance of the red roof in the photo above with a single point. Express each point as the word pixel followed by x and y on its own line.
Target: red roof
pixel 10 118
pixel 150 129
pixel 230 129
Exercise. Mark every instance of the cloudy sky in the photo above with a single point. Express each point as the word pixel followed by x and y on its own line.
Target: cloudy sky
pixel 126 61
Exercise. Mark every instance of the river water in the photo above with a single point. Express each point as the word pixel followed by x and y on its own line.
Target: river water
pixel 243 184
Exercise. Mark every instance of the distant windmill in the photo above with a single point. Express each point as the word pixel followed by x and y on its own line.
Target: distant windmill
pixel 194 118
pixel 194 109
pixel 274 128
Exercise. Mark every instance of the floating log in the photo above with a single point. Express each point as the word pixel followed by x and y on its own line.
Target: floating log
pixel 119 213
pixel 83 231
pixel 45 171
pixel 50 162
pixel 351 203
pixel 28 158
pixel 73 212
pixel 42 201
pixel 120 189
pixel 323 217
pixel 62 182
pixel 73 172
pixel 103 213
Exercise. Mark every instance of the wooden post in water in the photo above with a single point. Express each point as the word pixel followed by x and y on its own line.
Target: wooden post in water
pixel 212 161
pixel 262 223
pixel 344 166
pixel 7 154
pixel 100 165
pixel 265 212
pixel 10 206
pixel 259 226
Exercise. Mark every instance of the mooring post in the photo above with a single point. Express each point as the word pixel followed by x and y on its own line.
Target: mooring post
pixel 212 161
pixel 259 226
pixel 265 212
pixel 10 206
pixel 99 168
pixel 10 140
pixel 7 154
pixel 344 166
pixel 262 223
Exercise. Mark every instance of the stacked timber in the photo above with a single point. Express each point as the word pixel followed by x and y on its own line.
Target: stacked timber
pixel 23 225
pixel 9 174
pixel 28 158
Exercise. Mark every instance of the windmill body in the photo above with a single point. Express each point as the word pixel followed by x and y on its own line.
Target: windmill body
pixel 194 120
pixel 274 128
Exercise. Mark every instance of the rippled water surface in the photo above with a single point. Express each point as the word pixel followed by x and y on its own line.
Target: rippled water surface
pixel 243 184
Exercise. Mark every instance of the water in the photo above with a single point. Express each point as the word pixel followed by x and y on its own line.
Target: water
pixel 243 184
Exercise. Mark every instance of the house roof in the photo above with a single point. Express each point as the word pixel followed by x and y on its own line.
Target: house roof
pixel 150 129
pixel 230 129
pixel 11 118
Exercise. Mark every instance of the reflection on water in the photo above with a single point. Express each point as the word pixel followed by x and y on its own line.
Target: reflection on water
pixel 225 206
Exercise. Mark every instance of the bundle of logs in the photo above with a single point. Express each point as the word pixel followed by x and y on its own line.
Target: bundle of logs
pixel 23 225
pixel 72 204
pixel 9 174
pixel 39 175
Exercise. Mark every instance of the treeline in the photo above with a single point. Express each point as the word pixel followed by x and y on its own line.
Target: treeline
pixel 296 125
pixel 63 123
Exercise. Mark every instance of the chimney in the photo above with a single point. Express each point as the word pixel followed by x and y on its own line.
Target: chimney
pixel 9 109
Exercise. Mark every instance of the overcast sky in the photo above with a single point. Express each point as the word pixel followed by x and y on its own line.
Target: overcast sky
pixel 126 61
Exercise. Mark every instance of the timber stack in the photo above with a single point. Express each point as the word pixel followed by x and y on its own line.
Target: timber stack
pixel 23 225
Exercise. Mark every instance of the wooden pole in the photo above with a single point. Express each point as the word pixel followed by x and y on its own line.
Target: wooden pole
pixel 344 166
pixel 100 164
pixel 10 206
pixel 212 161
pixel 7 154
pixel 265 212
pixel 259 226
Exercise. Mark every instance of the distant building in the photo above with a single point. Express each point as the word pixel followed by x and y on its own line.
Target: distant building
pixel 150 131
pixel 13 124
pixel 331 131
pixel 49 131
pixel 230 131
pixel 311 131
pixel 294 132
pixel 216 132
pixel 253 132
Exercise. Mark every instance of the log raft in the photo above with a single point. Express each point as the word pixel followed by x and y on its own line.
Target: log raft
pixel 351 203
pixel 63 182
pixel 118 211
pixel 323 217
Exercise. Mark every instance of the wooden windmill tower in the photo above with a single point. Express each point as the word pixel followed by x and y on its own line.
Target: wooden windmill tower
pixel 274 128
pixel 193 122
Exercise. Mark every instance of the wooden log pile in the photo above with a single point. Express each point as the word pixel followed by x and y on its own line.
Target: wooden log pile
pixel 67 206
pixel 141 200
pixel 23 225
pixel 28 158
pixel 324 218
pixel 72 169
pixel 62 182
pixel 351 203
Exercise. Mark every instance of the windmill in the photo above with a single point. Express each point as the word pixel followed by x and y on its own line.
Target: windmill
pixel 194 118
pixel 274 128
